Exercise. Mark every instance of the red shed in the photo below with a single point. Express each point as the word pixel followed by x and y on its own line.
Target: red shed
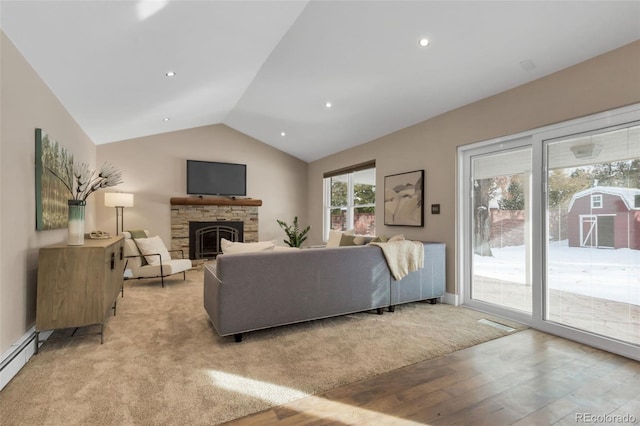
pixel 605 216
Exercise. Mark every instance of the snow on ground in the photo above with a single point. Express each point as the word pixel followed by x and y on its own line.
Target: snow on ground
pixel 603 273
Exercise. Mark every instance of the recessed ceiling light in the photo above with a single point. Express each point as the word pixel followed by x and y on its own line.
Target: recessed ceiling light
pixel 283 134
pixel 170 74
pixel 166 119
pixel 328 104
pixel 424 42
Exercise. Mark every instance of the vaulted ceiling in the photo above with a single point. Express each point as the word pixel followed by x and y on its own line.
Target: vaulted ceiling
pixel 269 68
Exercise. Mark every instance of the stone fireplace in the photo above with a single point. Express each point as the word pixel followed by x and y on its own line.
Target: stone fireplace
pixel 221 211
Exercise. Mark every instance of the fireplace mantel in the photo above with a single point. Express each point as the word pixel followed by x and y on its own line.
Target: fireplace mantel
pixel 214 201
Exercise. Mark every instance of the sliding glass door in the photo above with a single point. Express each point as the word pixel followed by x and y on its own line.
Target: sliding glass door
pixel 549 226
pixel 593 230
pixel 500 229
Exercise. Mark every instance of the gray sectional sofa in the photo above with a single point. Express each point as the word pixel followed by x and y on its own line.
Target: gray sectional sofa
pixel 252 291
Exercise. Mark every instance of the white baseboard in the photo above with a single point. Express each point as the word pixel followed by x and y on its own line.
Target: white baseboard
pixel 451 299
pixel 16 357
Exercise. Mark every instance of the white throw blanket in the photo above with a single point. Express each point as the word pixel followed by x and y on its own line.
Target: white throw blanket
pixel 403 257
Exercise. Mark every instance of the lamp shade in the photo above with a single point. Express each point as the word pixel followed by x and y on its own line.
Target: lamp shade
pixel 118 199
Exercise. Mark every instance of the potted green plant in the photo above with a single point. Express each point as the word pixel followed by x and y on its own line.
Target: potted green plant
pixel 296 236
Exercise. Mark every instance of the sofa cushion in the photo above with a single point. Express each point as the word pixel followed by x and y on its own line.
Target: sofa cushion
pixel 230 247
pixel 150 246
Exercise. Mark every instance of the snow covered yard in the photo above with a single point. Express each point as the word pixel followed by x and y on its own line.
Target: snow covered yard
pixel 603 273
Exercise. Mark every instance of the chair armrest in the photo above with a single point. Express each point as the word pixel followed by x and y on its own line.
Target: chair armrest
pixel 144 255
pixel 134 255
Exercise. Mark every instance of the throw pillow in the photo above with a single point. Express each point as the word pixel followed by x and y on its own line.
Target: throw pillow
pixel 347 240
pixel 230 247
pixel 359 240
pixel 380 239
pixel 150 246
pixel 334 238
pixel 398 237
pixel 133 235
pixel 136 233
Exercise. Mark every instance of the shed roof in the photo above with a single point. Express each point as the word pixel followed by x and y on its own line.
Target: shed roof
pixel 627 194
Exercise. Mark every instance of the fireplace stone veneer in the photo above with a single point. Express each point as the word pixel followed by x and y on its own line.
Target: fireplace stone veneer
pixel 196 209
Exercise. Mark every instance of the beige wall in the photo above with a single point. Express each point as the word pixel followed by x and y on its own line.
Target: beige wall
pixel 154 170
pixel 26 103
pixel 606 82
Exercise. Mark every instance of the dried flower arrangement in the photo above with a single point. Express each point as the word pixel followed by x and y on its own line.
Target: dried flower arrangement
pixel 83 182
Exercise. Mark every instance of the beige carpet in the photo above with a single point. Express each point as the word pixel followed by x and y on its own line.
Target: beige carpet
pixel 163 363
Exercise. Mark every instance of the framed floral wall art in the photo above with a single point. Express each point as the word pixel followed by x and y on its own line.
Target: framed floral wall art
pixel 404 199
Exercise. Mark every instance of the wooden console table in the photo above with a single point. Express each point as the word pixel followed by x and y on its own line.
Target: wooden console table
pixel 78 285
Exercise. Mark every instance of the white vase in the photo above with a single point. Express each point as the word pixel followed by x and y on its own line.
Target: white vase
pixel 76 222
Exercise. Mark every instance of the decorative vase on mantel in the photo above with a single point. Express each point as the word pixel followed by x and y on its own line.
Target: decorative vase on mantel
pixel 76 222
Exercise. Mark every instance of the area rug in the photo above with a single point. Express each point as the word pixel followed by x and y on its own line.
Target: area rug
pixel 163 363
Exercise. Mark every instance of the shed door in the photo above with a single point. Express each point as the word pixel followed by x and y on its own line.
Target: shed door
pixel 588 231
pixel 606 234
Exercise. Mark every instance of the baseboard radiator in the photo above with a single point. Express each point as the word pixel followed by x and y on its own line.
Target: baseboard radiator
pixel 17 356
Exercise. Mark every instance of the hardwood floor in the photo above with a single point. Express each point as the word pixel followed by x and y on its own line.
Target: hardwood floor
pixel 529 378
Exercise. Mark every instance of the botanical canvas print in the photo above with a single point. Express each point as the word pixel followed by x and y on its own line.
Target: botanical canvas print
pixel 404 199
pixel 51 193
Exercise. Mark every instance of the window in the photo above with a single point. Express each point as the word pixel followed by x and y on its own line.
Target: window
pixel 596 201
pixel 350 199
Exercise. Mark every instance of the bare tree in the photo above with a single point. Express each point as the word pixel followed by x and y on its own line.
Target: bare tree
pixel 482 190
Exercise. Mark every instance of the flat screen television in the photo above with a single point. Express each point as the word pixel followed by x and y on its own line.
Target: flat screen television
pixel 213 178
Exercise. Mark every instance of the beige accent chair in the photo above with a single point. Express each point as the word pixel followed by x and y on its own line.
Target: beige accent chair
pixel 158 261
